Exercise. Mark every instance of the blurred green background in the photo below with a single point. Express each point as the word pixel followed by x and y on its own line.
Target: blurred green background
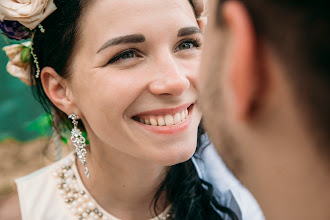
pixel 21 116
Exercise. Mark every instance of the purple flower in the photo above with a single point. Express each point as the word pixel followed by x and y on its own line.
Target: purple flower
pixel 14 30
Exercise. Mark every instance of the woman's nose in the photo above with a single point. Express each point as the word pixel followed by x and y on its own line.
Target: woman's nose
pixel 169 80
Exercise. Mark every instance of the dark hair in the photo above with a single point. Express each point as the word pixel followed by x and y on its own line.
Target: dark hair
pixel 55 48
pixel 299 33
pixel 191 197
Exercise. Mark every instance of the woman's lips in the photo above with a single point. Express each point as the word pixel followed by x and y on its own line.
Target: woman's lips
pixel 175 120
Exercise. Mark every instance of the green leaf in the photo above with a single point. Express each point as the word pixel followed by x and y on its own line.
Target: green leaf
pixel 65 140
pixel 42 125
pixel 85 136
pixel 26 55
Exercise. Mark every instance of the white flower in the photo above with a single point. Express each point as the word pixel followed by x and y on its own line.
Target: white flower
pixel 29 13
pixel 16 67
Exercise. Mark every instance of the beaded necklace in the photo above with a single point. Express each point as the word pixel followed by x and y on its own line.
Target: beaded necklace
pixel 77 198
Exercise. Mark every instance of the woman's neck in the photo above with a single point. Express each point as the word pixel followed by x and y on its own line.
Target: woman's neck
pixel 122 184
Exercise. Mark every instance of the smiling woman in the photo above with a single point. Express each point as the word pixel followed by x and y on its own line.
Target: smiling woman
pixel 125 72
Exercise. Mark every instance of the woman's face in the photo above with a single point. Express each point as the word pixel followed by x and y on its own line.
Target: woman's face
pixel 134 78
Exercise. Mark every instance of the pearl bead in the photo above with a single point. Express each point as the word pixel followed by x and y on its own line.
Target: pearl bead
pixel 74 211
pixel 84 215
pixel 104 218
pixel 67 162
pixel 84 206
pixel 96 217
pixel 86 197
pixel 58 181
pixel 79 200
pixel 91 205
pixel 74 204
pixel 80 210
pixel 68 180
pixel 92 214
pixel 69 172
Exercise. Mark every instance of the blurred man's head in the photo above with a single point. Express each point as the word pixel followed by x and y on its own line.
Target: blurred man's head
pixel 265 93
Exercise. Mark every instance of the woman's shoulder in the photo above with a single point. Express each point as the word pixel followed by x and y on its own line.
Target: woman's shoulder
pixel 29 189
pixel 38 194
pixel 40 177
pixel 9 207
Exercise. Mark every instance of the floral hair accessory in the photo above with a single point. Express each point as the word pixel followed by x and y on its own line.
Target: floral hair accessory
pixel 29 13
pixel 15 30
pixel 19 64
pixel 18 20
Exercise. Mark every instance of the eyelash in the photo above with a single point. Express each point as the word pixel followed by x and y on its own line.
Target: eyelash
pixel 195 42
pixel 122 54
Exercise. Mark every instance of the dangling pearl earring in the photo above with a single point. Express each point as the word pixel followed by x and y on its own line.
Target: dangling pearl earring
pixel 79 142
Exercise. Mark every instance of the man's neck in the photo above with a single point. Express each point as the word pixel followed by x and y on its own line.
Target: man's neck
pixel 294 185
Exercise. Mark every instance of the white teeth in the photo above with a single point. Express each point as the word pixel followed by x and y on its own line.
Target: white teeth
pixel 183 116
pixel 161 121
pixel 177 118
pixel 166 120
pixel 169 120
pixel 153 122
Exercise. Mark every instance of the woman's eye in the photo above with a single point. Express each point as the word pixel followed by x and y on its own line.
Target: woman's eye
pixel 188 44
pixel 128 54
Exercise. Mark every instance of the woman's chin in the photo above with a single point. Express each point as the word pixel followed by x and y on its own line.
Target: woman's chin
pixel 176 156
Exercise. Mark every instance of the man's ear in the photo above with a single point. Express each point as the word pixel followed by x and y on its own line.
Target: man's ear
pixel 57 90
pixel 245 78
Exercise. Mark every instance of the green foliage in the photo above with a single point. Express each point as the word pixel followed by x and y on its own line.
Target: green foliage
pixel 41 125
pixel 26 54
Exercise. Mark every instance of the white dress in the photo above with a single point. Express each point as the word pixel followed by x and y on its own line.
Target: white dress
pixel 56 192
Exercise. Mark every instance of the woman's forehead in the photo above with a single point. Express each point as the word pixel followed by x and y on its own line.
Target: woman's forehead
pixel 152 18
pixel 112 13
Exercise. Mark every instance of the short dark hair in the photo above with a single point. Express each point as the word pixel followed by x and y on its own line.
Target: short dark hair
pixel 299 33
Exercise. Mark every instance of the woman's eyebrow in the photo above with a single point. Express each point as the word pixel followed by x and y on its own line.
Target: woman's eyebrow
pixel 133 38
pixel 188 31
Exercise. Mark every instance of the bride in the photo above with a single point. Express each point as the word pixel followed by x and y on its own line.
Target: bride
pixel 124 72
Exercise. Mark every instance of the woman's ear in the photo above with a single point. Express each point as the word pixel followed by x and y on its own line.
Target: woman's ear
pixel 57 90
